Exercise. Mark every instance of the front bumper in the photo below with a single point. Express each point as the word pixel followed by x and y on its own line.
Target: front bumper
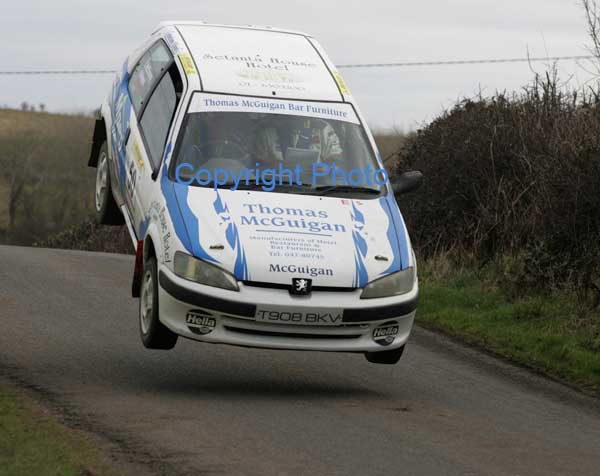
pixel 231 316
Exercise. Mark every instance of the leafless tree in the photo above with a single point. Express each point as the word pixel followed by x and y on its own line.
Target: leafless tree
pixel 592 16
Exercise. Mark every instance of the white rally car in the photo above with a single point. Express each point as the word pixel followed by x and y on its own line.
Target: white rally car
pixel 217 146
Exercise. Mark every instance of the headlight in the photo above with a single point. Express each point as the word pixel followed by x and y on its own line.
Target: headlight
pixel 395 284
pixel 202 272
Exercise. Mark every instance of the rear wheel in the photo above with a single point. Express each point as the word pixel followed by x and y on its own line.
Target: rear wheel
pixel 107 210
pixel 386 357
pixel 153 333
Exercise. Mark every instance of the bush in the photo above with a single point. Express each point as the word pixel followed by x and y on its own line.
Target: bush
pixel 90 236
pixel 45 183
pixel 515 175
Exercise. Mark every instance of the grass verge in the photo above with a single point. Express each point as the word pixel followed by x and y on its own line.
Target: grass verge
pixel 552 333
pixel 33 443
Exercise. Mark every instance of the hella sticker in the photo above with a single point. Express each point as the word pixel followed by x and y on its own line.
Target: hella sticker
pixel 200 322
pixel 386 333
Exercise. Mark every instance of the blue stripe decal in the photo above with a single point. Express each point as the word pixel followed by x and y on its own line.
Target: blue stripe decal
pixel 240 269
pixel 399 229
pixel 143 227
pixel 361 277
pixel 121 110
pixel 392 237
pixel 190 221
pixel 172 207
pixel 184 221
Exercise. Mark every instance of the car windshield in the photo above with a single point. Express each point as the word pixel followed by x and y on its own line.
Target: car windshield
pixel 321 150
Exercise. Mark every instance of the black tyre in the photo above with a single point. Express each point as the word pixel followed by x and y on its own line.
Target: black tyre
pixel 154 334
pixel 386 357
pixel 107 210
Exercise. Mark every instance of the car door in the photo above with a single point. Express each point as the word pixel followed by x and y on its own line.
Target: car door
pixel 155 87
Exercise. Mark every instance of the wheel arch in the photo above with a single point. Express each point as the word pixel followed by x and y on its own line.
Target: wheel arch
pixel 98 138
pixel 147 248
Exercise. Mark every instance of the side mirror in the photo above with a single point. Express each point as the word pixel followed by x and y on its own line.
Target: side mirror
pixel 407 182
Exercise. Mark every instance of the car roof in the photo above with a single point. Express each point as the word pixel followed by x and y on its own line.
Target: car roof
pixel 174 23
pixel 259 61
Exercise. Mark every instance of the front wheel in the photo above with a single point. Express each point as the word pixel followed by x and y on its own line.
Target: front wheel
pixel 153 333
pixel 107 210
pixel 386 357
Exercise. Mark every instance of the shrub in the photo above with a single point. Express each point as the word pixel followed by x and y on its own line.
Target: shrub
pixel 90 236
pixel 512 175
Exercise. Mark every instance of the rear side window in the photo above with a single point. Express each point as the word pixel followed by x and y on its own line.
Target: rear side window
pixel 157 117
pixel 147 72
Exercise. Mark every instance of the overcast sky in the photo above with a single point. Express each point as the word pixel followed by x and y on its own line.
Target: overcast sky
pixel 65 34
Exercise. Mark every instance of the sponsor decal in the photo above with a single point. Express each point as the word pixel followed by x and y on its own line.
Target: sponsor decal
pixel 132 175
pixel 258 62
pixel 290 248
pixel 341 83
pixel 287 67
pixel 301 286
pixel 173 43
pixel 165 235
pixel 200 322
pixel 187 63
pixel 158 214
pixel 292 268
pixel 137 153
pixel 386 333
pixel 289 218
pixel 320 110
pixel 265 75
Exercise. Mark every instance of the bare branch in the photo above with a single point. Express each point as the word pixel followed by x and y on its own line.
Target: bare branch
pixel 592 16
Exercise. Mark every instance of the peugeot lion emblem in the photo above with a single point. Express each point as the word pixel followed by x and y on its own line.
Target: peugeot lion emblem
pixel 301 286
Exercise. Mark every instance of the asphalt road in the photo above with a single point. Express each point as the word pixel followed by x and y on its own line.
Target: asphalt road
pixel 69 331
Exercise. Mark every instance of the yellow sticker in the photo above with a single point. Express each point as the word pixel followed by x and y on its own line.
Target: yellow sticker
pixel 187 63
pixel 138 154
pixel 341 83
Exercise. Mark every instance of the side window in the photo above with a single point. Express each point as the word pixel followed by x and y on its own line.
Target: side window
pixel 146 73
pixel 158 115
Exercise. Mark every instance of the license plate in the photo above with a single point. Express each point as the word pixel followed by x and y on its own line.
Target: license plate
pixel 299 316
